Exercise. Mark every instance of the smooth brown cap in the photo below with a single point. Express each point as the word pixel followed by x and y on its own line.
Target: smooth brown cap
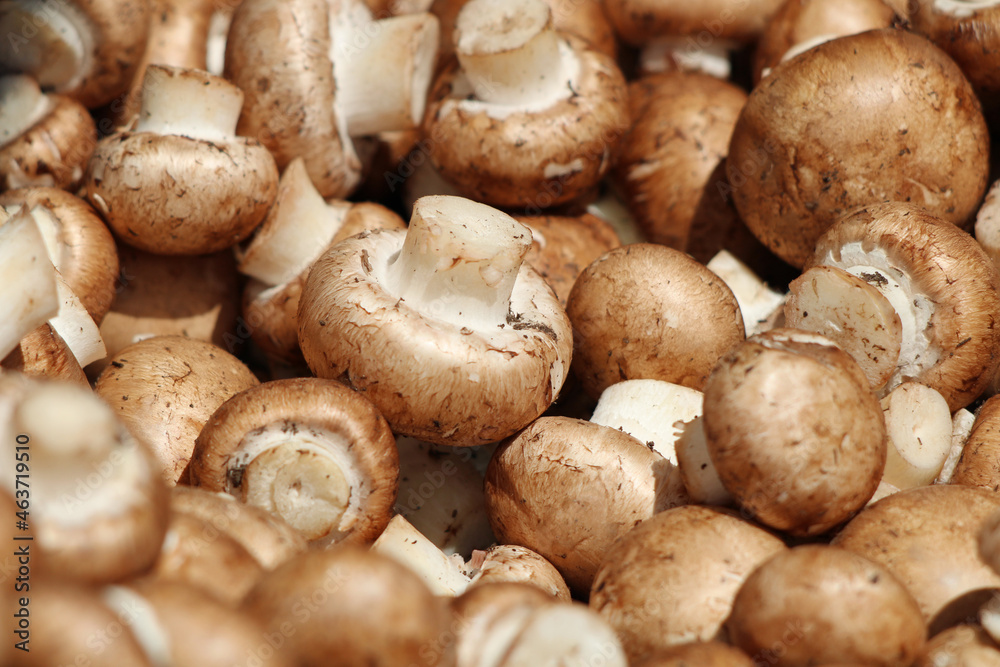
pixel 642 21
pixel 978 464
pixel 969 35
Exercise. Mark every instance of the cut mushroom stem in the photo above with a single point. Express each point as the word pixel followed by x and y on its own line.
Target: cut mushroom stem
pixel 76 327
pixel 402 51
pixel 919 427
pixel 28 296
pixel 22 104
pixel 961 428
pixel 444 575
pixel 57 54
pixel 167 106
pixel 686 54
pixel 509 50
pixel 760 305
pixel 458 272
pixel 701 479
pixel 963 8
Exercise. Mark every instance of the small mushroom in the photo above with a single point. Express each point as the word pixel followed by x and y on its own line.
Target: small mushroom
pixel 310 450
pixel 150 202
pixel 510 563
pixel 165 389
pixel 485 339
pixel 45 139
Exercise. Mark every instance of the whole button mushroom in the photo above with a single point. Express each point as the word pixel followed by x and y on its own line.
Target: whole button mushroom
pixel 824 605
pixel 794 432
pixel 443 327
pixel 313 452
pixel 181 182
pixel 795 166
pixel 673 578
pixel 652 312
pixel 526 117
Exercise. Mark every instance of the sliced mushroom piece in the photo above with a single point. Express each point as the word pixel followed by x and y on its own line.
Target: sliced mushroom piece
pixel 310 450
pixel 451 299
pixel 166 388
pixel 45 140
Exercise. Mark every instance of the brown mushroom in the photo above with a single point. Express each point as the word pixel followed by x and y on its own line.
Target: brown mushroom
pixel 707 654
pixel 978 464
pixel 510 563
pixel 43 353
pixel 30 290
pixel 961 646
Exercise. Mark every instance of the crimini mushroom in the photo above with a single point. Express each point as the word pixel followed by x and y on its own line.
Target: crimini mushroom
pixel 97 505
pixel 311 90
pixel 310 450
pixel 648 311
pixel 443 327
pixel 181 182
pixel 669 170
pixel 824 605
pixel 297 230
pixel 706 654
pixel 45 140
pixel 510 563
pixel 165 389
pixel 85 49
pixel 673 578
pixel 361 607
pixel 794 432
pixel 961 646
pixel 799 25
pixel 525 116
pixel 928 538
pixel 941 284
pixel 915 133
pixel 977 465
pixel 567 489
pixel 80 245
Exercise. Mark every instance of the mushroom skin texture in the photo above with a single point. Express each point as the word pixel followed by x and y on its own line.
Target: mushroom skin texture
pixel 928 538
pixel 82 248
pixel 165 389
pixel 362 607
pixel 510 563
pixel 977 465
pixel 707 654
pixel 794 432
pixel 181 183
pixel 825 605
pixel 310 450
pixel 646 311
pixel 942 284
pixel 795 166
pixel 537 141
pixel 45 139
pixel 668 168
pixel 486 341
pixel 673 578
pixel 85 49
pixel 567 489
pixel 639 22
pixel 43 353
pixel 960 646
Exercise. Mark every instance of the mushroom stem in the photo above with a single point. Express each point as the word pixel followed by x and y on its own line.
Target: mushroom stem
pixel 401 51
pixel 510 52
pixel 168 106
pixel 22 104
pixel 963 8
pixel 49 39
pixel 459 262
pixel 685 53
pixel 29 296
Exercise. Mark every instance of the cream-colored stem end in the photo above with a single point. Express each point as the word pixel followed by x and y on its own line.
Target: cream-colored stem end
pixel 52 40
pixel 402 542
pixel 189 103
pixel 22 104
pixel 918 424
pixel 28 293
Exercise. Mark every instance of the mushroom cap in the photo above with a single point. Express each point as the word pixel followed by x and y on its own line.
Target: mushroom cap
pixel 962 646
pixel 165 389
pixel 646 311
pixel 266 536
pixel 800 22
pixel 363 608
pixel 969 34
pixel 798 162
pixel 88 259
pixel 303 403
pixel 173 195
pixel 54 152
pixel 673 578
pixel 567 489
pixel 794 432
pixel 462 387
pixel 706 654
pixel 282 74
pixel 640 21
pixel 42 353
pixel 511 563
pixel 928 538
pixel 978 464
pixel 827 605
pixel 668 168
pixel 505 156
pixel 952 272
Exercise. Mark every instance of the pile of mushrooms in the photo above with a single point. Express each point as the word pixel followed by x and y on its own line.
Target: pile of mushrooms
pixel 499 333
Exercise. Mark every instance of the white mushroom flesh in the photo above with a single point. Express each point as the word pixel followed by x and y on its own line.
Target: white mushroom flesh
pixel 698 473
pixel 303 473
pixel 512 60
pixel 919 429
pixel 458 263
pixel 961 9
pixel 652 411
pixel 442 573
pixel 759 304
pixel 50 228
pixel 28 292
pixel 76 327
pixel 688 55
pixel 988 224
pixel 135 612
pixel 22 104
pixel 53 40
pixel 167 106
pixel 215 46
pixel 915 309
pixel 961 428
